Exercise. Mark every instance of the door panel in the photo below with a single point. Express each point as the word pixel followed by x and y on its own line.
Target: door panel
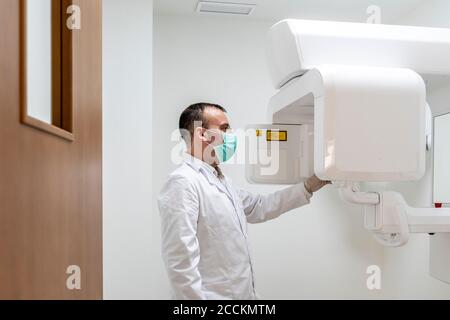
pixel 51 188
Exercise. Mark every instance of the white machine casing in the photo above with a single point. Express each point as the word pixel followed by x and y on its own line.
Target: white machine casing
pixel 297 46
pixel 355 82
pixel 369 123
pixel 358 135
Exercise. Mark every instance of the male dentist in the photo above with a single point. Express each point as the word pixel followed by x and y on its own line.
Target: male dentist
pixel 205 245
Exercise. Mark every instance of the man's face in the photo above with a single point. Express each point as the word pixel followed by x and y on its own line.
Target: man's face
pixel 205 139
pixel 216 119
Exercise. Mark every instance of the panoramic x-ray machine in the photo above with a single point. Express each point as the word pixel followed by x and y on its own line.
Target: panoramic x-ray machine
pixel 351 107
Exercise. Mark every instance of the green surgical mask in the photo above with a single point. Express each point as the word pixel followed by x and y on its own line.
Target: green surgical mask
pixel 225 151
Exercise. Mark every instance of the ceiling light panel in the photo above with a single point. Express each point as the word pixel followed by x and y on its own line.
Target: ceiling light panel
pixel 242 9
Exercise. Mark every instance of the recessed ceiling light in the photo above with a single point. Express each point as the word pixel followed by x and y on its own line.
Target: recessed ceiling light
pixel 242 9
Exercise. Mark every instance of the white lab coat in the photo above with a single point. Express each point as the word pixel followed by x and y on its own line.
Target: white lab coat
pixel 205 245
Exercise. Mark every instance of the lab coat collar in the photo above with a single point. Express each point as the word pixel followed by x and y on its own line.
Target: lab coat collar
pixel 198 164
pixel 209 172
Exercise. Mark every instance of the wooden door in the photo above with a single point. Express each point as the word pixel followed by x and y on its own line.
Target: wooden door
pixel 51 187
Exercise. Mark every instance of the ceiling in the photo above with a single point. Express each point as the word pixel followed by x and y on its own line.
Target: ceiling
pixel 342 10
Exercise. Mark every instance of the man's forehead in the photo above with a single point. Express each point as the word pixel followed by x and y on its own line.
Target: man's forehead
pixel 215 116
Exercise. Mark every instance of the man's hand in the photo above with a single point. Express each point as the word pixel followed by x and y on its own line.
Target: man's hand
pixel 314 184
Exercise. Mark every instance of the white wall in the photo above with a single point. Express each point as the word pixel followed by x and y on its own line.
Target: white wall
pixel 127 154
pixel 441 182
pixel 406 269
pixel 319 251
pixel 431 13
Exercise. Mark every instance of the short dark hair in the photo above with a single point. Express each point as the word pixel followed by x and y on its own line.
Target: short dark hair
pixel 192 114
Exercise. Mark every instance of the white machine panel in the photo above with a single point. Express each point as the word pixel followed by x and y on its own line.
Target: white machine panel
pixel 280 154
pixel 370 125
pixel 296 46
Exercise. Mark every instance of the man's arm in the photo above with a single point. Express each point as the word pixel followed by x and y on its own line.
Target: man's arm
pixel 261 208
pixel 179 208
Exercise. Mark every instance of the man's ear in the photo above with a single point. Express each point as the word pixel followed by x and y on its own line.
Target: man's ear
pixel 201 134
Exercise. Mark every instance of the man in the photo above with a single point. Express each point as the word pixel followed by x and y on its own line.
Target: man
pixel 204 218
